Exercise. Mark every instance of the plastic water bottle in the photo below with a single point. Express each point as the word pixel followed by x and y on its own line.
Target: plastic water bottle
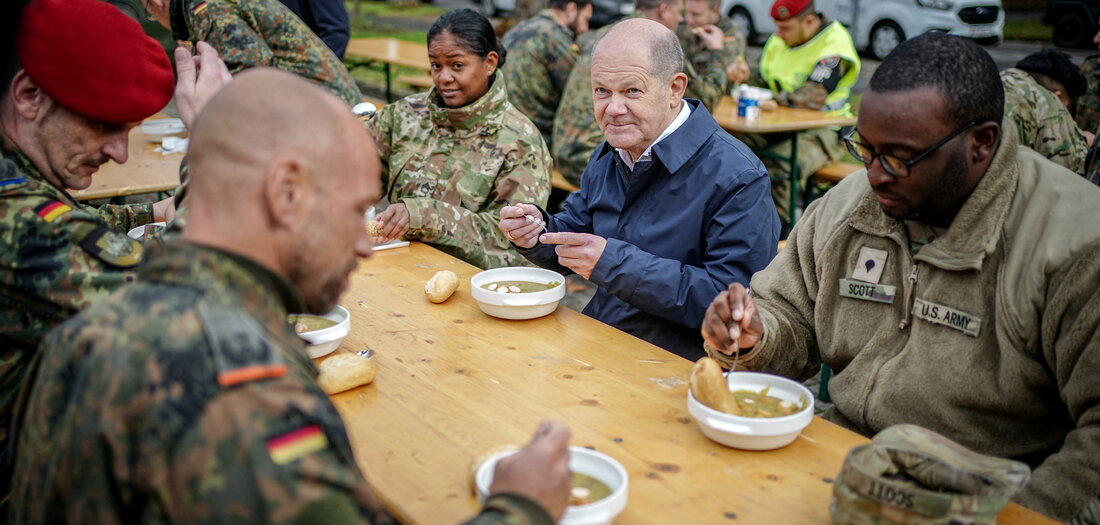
pixel 748 105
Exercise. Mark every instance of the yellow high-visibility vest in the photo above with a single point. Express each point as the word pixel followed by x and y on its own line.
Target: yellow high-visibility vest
pixel 787 68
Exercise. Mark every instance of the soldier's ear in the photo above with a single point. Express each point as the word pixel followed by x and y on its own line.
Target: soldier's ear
pixel 29 99
pixel 288 193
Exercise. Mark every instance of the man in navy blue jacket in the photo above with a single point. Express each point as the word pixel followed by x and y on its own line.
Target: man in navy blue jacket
pixel 671 207
pixel 327 18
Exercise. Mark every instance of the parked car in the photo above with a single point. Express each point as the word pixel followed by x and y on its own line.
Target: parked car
pixel 603 11
pixel 878 26
pixel 1074 22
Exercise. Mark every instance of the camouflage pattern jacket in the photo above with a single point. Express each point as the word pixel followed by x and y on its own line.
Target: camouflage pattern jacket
pixel 701 57
pixel 202 407
pixel 57 257
pixel 576 132
pixel 455 168
pixel 541 53
pixel 1088 105
pixel 987 336
pixel 253 33
pixel 1042 122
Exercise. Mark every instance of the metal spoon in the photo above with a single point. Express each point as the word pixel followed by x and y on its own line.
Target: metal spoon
pixel 364 110
pixel 366 353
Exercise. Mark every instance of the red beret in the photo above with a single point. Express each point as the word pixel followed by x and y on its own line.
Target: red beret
pixel 786 9
pixel 94 60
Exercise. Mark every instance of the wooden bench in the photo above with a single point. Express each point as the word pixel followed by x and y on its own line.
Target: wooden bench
pixel 418 81
pixel 557 181
pixel 828 174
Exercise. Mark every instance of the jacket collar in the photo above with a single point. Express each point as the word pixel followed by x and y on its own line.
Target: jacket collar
pixel 177 20
pixel 33 178
pixel 480 117
pixel 974 233
pixel 678 148
pixel 228 279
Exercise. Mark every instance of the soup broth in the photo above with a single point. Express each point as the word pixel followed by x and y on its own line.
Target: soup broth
pixel 587 489
pixel 310 323
pixel 523 286
pixel 760 404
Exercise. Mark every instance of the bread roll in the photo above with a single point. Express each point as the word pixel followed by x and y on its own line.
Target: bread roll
pixel 710 387
pixel 440 287
pixel 374 228
pixel 345 371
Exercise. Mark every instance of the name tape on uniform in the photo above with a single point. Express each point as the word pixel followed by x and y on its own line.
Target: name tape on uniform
pixel 947 316
pixel 879 293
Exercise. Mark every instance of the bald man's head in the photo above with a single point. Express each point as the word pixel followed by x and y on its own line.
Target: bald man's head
pixel 282 172
pixel 643 37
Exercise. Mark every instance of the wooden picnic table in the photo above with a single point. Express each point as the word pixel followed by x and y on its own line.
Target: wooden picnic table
pixel 146 171
pixel 389 51
pixel 453 383
pixel 781 120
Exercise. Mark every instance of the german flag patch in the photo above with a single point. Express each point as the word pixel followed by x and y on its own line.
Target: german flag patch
pixel 199 8
pixel 49 211
pixel 297 444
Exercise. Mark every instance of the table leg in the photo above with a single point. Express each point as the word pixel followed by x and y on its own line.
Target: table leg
pixel 795 176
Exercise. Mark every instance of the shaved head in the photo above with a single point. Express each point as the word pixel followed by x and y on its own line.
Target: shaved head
pixel 282 172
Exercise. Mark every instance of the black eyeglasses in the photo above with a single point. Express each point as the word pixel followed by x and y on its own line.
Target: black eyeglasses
pixel 894 166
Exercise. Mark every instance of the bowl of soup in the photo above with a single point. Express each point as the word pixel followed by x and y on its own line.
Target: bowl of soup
pixel 600 486
pixel 517 292
pixel 322 333
pixel 774 410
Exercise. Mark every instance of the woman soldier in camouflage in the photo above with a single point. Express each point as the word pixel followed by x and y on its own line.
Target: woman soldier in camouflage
pixel 454 156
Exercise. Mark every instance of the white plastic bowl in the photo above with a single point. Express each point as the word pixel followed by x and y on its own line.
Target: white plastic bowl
pixel 322 342
pixel 595 464
pixel 518 305
pixel 755 433
pixel 155 130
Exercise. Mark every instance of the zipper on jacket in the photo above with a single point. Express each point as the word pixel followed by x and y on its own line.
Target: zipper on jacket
pixel 910 293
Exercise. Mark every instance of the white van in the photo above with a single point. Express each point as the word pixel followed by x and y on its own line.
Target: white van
pixel 880 25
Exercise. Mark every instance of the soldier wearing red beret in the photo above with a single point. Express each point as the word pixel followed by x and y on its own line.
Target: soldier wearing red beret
pixel 810 62
pixel 65 111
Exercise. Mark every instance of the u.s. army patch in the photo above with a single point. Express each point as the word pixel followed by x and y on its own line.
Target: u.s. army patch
pixel 110 246
pixel 944 315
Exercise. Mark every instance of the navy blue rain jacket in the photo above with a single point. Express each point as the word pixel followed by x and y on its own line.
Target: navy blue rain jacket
pixel 679 230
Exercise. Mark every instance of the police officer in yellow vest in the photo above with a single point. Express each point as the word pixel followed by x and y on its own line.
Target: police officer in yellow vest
pixel 810 62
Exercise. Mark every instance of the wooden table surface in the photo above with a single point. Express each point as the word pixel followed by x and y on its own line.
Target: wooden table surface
pixel 390 50
pixel 146 171
pixel 780 120
pixel 453 383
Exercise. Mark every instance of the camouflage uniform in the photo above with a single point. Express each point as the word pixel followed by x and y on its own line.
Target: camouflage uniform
pixel 576 132
pixel 455 168
pixel 1088 105
pixel 253 33
pixel 200 406
pixel 700 56
pixel 57 257
pixel 909 474
pixel 541 53
pixel 1042 122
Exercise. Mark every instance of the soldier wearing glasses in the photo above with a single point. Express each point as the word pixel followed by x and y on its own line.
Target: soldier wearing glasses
pixel 955 285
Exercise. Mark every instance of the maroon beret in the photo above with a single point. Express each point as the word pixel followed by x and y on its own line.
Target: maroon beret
pixel 94 60
pixel 785 9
